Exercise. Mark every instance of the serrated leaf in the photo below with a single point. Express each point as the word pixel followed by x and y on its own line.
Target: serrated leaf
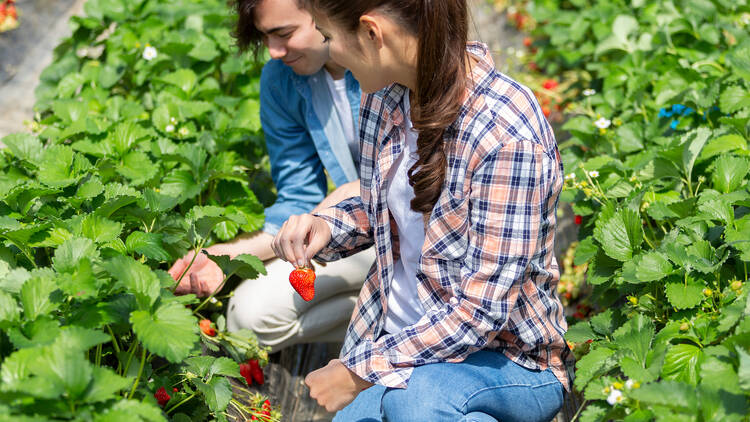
pixel 621 235
pixel 734 98
pixel 585 251
pixel 180 184
pixel 595 363
pixel 580 332
pixel 100 229
pixel 675 395
pixel 24 146
pixel 131 410
pixel 717 209
pixel 729 173
pixel 81 283
pixel 9 310
pixel 137 167
pixel 148 245
pixel 722 145
pixel 685 295
pixel 171 331
pixel 743 372
pixel 90 189
pixel 247 116
pixel 72 251
pixel 185 79
pixel 56 167
pixel 692 145
pixel 105 385
pixel 226 367
pixel 217 393
pixel 682 362
pixel 200 365
pixel 136 277
pixel 245 266
pixel 35 297
pixel 647 267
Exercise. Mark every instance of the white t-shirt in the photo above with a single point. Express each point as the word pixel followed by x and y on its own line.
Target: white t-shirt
pixel 404 308
pixel 344 110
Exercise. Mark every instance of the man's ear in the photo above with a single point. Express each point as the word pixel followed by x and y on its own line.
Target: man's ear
pixel 370 30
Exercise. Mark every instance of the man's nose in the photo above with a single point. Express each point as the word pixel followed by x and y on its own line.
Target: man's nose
pixel 276 48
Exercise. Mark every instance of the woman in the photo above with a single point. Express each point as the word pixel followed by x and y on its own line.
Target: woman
pixel 460 176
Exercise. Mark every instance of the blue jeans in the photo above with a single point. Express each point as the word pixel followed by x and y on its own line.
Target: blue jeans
pixel 486 387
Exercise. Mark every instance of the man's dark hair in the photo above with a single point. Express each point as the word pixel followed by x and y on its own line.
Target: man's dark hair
pixel 248 37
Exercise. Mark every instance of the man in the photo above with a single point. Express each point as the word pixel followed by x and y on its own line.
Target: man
pixel 309 113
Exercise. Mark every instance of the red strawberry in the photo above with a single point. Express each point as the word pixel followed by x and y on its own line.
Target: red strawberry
pixel 256 371
pixel 303 281
pixel 162 396
pixel 578 220
pixel 527 41
pixel 246 372
pixel 549 84
pixel 12 12
pixel 206 327
pixel 546 111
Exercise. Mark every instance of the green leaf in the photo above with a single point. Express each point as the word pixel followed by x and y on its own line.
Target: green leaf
pixel 105 385
pixel 125 136
pixel 100 229
pixel 729 173
pixel 35 297
pixel 9 310
pixel 743 372
pixel 675 395
pixel 204 49
pixel 247 116
pixel 137 167
pixel 225 366
pixel 685 295
pixel 59 167
pixel 200 365
pixel 580 332
pixel 646 267
pixel 217 393
pixel 90 189
pixel 72 251
pixel 70 111
pixel 70 84
pixel 81 283
pixel 596 363
pixel 180 184
pixel 245 266
pixel 682 362
pixel 148 245
pixel 722 145
pixel 24 146
pixel 185 79
pixel 636 336
pixel 621 235
pixel 171 331
pixel 717 209
pixel 131 410
pixel 739 59
pixel 136 277
pixel 605 322
pixel 734 98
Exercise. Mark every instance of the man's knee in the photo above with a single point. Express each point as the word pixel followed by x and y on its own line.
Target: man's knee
pixel 252 309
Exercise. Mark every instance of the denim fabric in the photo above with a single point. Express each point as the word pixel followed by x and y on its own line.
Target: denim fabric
pixel 304 139
pixel 487 386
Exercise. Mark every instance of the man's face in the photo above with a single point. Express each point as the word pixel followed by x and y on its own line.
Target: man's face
pixel 290 35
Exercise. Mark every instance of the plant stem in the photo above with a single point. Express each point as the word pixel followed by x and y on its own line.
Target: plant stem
pixel 171 409
pixel 218 288
pixel 195 255
pixel 140 372
pixel 98 360
pixel 575 417
pixel 114 339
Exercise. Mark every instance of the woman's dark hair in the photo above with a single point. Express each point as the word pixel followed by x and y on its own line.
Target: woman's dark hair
pixel 247 35
pixel 441 26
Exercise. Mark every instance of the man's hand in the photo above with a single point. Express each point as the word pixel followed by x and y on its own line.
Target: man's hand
pixel 335 386
pixel 203 277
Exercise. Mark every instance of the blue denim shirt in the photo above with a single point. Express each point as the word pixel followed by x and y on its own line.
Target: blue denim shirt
pixel 305 138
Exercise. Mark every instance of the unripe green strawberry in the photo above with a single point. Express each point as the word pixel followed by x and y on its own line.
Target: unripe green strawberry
pixel 303 281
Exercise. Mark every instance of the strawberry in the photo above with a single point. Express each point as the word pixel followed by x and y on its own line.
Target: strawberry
pixel 12 12
pixel 256 372
pixel 549 84
pixel 162 396
pixel 206 327
pixel 303 281
pixel 246 372
pixel 578 220
pixel 546 111
pixel 527 41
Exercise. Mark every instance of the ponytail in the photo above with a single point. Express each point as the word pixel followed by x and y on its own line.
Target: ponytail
pixel 441 29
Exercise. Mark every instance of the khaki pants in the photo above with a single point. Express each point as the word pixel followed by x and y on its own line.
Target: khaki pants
pixel 271 308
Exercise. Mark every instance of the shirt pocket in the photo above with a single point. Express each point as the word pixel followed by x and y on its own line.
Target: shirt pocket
pixel 447 231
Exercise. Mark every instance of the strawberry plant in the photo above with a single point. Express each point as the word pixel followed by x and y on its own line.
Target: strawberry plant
pixel 655 149
pixel 146 144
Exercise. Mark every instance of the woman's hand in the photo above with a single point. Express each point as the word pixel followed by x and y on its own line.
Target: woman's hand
pixel 300 238
pixel 334 386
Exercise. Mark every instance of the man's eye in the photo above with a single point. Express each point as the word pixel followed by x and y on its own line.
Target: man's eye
pixel 287 35
pixel 326 38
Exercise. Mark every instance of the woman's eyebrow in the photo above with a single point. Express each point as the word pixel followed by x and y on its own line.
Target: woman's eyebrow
pixel 277 29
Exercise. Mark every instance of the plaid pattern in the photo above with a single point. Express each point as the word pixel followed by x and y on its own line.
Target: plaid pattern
pixel 487 275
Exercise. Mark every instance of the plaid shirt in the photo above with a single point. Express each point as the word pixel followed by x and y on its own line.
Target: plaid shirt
pixel 487 274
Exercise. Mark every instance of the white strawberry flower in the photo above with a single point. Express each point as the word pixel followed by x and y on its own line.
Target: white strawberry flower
pixel 593 174
pixel 589 92
pixel 149 53
pixel 169 128
pixel 184 131
pixel 615 396
pixel 629 384
pixel 602 123
pixel 173 120
pixel 570 176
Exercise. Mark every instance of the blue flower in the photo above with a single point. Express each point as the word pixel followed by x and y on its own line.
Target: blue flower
pixel 678 108
pixel 664 113
pixel 688 111
pixel 674 124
